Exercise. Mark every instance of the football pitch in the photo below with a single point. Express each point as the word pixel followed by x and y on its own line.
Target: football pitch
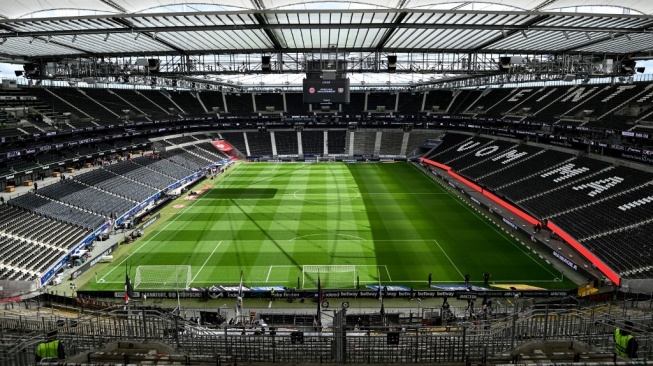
pixel 382 222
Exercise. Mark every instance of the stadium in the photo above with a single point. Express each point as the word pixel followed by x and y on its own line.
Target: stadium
pixel 407 181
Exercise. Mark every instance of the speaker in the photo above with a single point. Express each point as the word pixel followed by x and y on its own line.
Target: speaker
pixel 392 338
pixel 297 337
pixel 504 63
pixel 265 63
pixel 153 64
pixel 627 66
pixel 31 69
pixel 392 63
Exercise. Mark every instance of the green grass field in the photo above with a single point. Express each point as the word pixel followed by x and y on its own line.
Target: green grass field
pixel 387 219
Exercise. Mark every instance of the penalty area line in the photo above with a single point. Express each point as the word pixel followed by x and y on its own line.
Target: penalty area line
pixel 206 261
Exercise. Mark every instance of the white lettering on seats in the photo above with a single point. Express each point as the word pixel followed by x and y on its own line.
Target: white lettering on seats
pixel 566 171
pixel 599 186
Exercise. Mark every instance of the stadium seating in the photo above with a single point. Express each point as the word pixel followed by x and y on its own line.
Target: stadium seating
pixel 138 173
pixel 89 107
pixel 608 214
pixel 391 142
pixel 482 154
pixel 156 97
pixel 49 238
pixel 187 160
pixel 584 191
pixel 364 142
pixel 163 166
pixel 112 101
pixel 501 162
pixel 355 106
pixel 57 210
pixel 181 140
pixel 239 103
pixel 465 146
pixel 295 104
pixel 144 103
pixel 438 100
pixel 207 151
pixel 410 102
pixel 236 139
pixel 188 101
pixel 385 100
pixel 260 143
pixel 627 251
pixel 417 138
pixel 266 100
pixel 211 100
pixel 490 101
pixel 286 142
pixel 552 178
pixel 313 142
pixel 336 142
pixel 83 196
pixel 118 185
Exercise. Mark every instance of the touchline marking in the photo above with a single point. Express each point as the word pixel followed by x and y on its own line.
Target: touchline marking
pixel 446 255
pixel 206 261
pixel 268 277
pixel 388 272
pixel 459 201
pixel 350 236
pixel 194 202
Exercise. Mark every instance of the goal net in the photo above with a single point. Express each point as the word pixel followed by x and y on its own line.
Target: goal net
pixel 334 276
pixel 162 277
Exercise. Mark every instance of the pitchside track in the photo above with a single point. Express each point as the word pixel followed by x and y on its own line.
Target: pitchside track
pixel 380 219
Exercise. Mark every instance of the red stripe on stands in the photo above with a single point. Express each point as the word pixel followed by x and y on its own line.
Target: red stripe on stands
pixel 607 271
pixel 436 164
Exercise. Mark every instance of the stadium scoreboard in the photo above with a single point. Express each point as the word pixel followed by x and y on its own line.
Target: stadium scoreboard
pixel 326 91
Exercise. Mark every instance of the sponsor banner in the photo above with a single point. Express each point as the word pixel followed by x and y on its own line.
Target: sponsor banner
pixel 149 221
pixel 389 288
pixel 222 145
pixel 269 288
pixel 510 223
pixel 565 260
pixel 461 287
pixel 217 292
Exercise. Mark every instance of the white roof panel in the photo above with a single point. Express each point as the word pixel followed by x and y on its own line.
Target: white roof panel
pixel 642 6
pixel 38 47
pixel 633 43
pixel 100 43
pixel 550 40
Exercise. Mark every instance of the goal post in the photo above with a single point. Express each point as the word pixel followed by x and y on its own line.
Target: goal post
pixel 334 276
pixel 164 277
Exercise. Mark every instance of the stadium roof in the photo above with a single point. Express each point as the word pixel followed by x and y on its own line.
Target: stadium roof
pixel 222 41
pixel 61 28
